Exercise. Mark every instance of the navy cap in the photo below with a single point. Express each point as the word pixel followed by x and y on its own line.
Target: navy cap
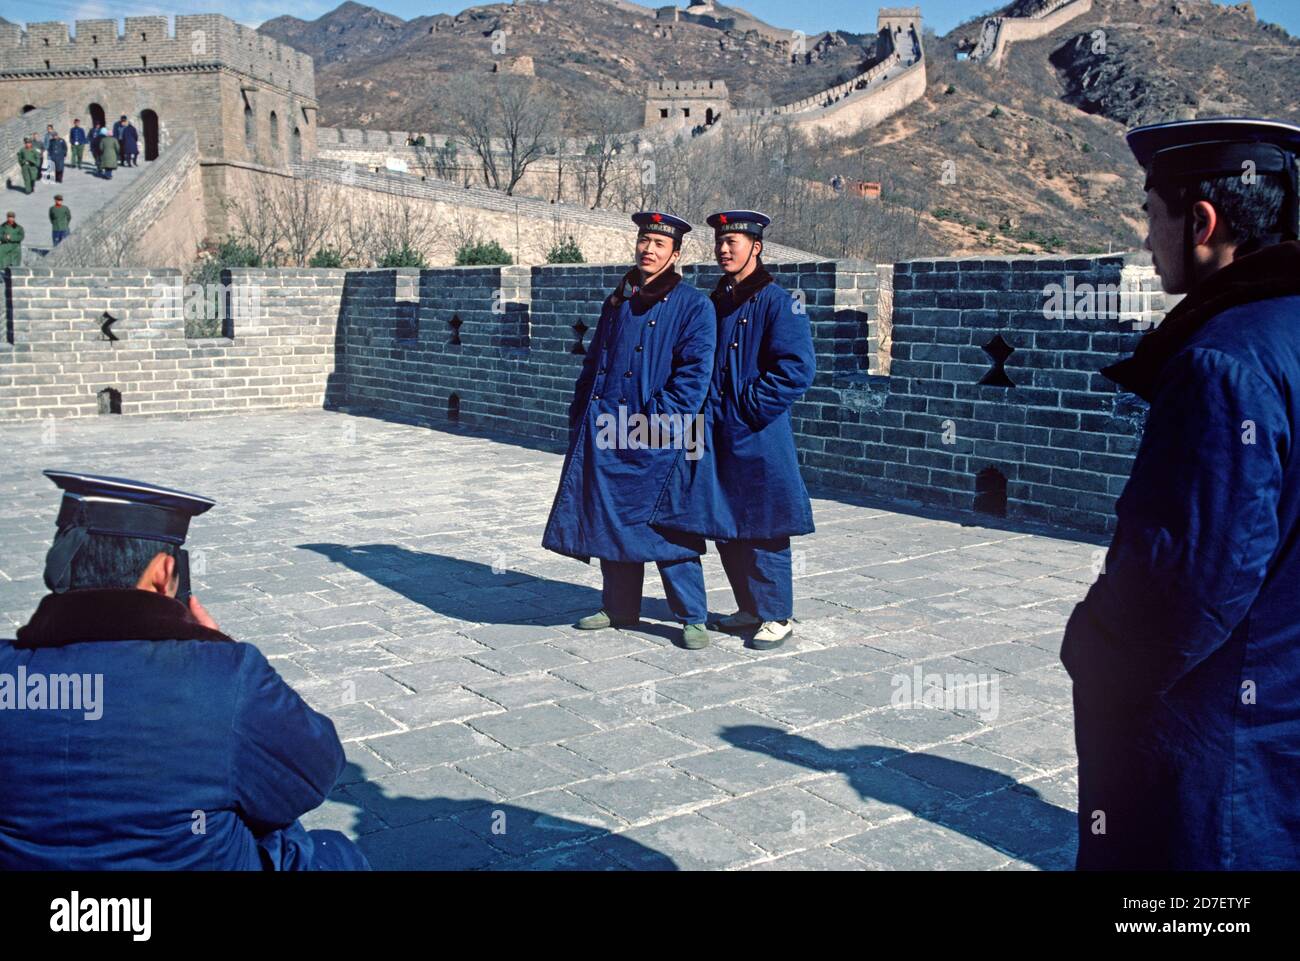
pixel 739 222
pixel 1186 151
pixel 93 504
pixel 657 222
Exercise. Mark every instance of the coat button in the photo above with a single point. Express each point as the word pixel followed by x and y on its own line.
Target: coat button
pixel 602 370
pixel 638 348
pixel 652 323
pixel 595 397
pixel 734 346
pixel 743 320
pixel 628 374
pixel 622 400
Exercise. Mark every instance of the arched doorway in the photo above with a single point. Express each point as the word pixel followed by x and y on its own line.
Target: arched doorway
pixel 295 146
pixel 28 108
pixel 96 114
pixel 149 123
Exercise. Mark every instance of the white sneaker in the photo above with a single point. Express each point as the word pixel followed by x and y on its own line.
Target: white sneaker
pixel 772 634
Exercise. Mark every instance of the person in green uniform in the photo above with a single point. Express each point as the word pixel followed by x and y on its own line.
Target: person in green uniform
pixel 29 163
pixel 77 137
pixel 11 242
pixel 60 218
pixel 109 154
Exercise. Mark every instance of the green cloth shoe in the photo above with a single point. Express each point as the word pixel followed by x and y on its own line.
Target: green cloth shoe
pixel 695 637
pixel 601 620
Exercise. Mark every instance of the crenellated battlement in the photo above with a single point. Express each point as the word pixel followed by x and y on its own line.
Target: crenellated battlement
pixel 146 44
pixel 687 88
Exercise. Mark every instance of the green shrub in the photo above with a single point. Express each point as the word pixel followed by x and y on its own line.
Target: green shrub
pixel 566 251
pixel 326 257
pixel 207 273
pixel 403 256
pixel 996 111
pixel 484 254
pixel 950 90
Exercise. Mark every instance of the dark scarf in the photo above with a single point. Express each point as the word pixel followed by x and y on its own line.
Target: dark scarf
pixel 643 297
pixel 1262 275
pixel 727 297
pixel 111 615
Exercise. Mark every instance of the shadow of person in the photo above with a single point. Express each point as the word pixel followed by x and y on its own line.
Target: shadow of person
pixel 401 833
pixel 985 805
pixel 473 591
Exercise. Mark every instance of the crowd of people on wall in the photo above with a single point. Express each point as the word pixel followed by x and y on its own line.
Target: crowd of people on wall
pixel 46 158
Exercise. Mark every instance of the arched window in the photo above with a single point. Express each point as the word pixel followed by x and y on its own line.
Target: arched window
pixel 250 129
pixel 295 146
pixel 149 123
pixel 275 132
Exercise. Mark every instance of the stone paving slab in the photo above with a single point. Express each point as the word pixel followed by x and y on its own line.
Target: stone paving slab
pixel 393 574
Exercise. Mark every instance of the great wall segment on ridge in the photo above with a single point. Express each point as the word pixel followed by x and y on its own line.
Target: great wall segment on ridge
pixel 901 348
pixel 998 33
pixel 894 79
pixel 250 105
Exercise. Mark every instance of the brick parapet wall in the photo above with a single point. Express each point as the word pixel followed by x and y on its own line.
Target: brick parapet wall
pixel 55 359
pixel 897 408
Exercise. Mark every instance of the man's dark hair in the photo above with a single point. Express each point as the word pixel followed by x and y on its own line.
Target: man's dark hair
pixel 1250 210
pixel 106 561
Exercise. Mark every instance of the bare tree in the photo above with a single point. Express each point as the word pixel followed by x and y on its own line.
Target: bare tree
pixel 400 225
pixel 253 222
pixel 602 122
pixel 506 122
pixel 306 210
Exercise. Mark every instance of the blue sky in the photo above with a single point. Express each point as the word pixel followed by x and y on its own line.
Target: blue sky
pixel 854 15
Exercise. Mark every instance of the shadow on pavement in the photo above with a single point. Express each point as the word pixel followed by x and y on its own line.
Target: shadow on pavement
pixel 986 805
pixel 472 591
pixel 448 834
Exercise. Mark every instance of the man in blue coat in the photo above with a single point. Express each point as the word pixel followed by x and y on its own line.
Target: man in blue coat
pixel 129 137
pixel 77 138
pixel 137 735
pixel 634 415
pixel 1185 653
pixel 746 491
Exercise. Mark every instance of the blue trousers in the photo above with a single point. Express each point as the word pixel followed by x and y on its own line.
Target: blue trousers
pixel 760 575
pixel 296 849
pixel 683 583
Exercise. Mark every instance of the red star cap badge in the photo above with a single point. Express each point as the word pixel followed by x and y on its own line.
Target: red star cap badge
pixel 722 218
pixel 656 217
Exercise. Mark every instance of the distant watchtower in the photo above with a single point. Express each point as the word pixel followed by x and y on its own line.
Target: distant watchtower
pixel 696 101
pixel 902 27
pixel 899 20
pixel 248 98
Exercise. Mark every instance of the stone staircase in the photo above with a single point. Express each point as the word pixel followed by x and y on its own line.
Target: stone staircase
pixel 83 193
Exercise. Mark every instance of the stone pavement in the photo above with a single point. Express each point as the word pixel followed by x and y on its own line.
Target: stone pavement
pixel 83 192
pixel 394 576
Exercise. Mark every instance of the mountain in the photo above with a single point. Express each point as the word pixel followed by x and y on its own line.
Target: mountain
pixel 377 70
pixel 1037 146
